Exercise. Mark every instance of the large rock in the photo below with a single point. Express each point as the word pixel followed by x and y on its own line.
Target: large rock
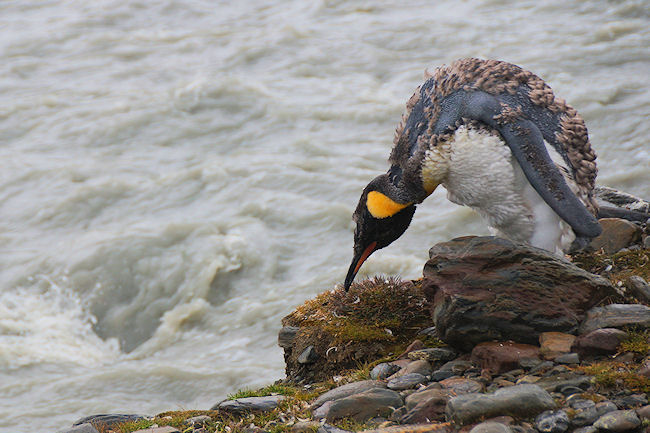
pixel 523 401
pixel 487 288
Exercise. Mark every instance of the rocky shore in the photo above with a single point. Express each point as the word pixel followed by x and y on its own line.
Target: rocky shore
pixel 495 338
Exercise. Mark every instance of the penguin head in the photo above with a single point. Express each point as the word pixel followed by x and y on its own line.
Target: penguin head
pixel 381 218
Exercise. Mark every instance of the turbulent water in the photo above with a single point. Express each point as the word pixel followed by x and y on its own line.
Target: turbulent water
pixel 176 176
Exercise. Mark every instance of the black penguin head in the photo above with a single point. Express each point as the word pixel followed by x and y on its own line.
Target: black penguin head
pixel 381 218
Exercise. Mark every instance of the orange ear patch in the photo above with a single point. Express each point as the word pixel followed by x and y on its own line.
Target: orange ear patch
pixel 380 206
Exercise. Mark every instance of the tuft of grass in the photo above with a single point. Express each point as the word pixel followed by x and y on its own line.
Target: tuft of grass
pixel 274 389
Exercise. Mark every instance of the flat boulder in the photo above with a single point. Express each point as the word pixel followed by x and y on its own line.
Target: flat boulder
pixel 487 288
pixel 616 316
pixel 522 401
pixel 250 404
pixel 363 406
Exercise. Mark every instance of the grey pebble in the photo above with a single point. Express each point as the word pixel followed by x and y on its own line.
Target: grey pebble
pixel 407 381
pixel 552 421
pixel 618 421
pixel 490 427
pixel 383 370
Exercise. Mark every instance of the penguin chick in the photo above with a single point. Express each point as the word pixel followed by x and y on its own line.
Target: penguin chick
pixel 495 136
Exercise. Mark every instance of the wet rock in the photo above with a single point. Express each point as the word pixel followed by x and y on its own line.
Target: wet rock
pixel 249 404
pixel 308 355
pixel 618 421
pixel 499 357
pixel 616 316
pixel 460 385
pixel 383 370
pixel 490 427
pixel 286 336
pixel 517 401
pixel 552 421
pixel 568 358
pixel 617 234
pixel 437 354
pixel 407 381
pixel 604 341
pixel 487 288
pixel 554 344
pixel 639 288
pixel 425 406
pixel 80 428
pixel 363 406
pixel 347 390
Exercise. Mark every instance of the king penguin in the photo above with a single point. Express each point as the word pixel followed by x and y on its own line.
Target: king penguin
pixel 498 140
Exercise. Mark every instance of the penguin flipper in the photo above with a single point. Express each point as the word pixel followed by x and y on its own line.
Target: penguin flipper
pixel 526 143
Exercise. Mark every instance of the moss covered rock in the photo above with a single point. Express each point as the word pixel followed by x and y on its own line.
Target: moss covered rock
pixel 339 330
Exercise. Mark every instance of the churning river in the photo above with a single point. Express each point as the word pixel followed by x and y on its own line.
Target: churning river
pixel 176 176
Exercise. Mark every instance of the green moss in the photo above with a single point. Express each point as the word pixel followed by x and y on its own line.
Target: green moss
pixel 617 375
pixel 638 341
pixel 375 310
pixel 127 427
pixel 267 390
pixel 623 264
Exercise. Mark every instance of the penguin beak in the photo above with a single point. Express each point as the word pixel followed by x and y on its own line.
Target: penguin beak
pixel 360 256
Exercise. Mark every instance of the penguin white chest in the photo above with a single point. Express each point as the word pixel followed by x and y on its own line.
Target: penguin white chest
pixel 478 170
